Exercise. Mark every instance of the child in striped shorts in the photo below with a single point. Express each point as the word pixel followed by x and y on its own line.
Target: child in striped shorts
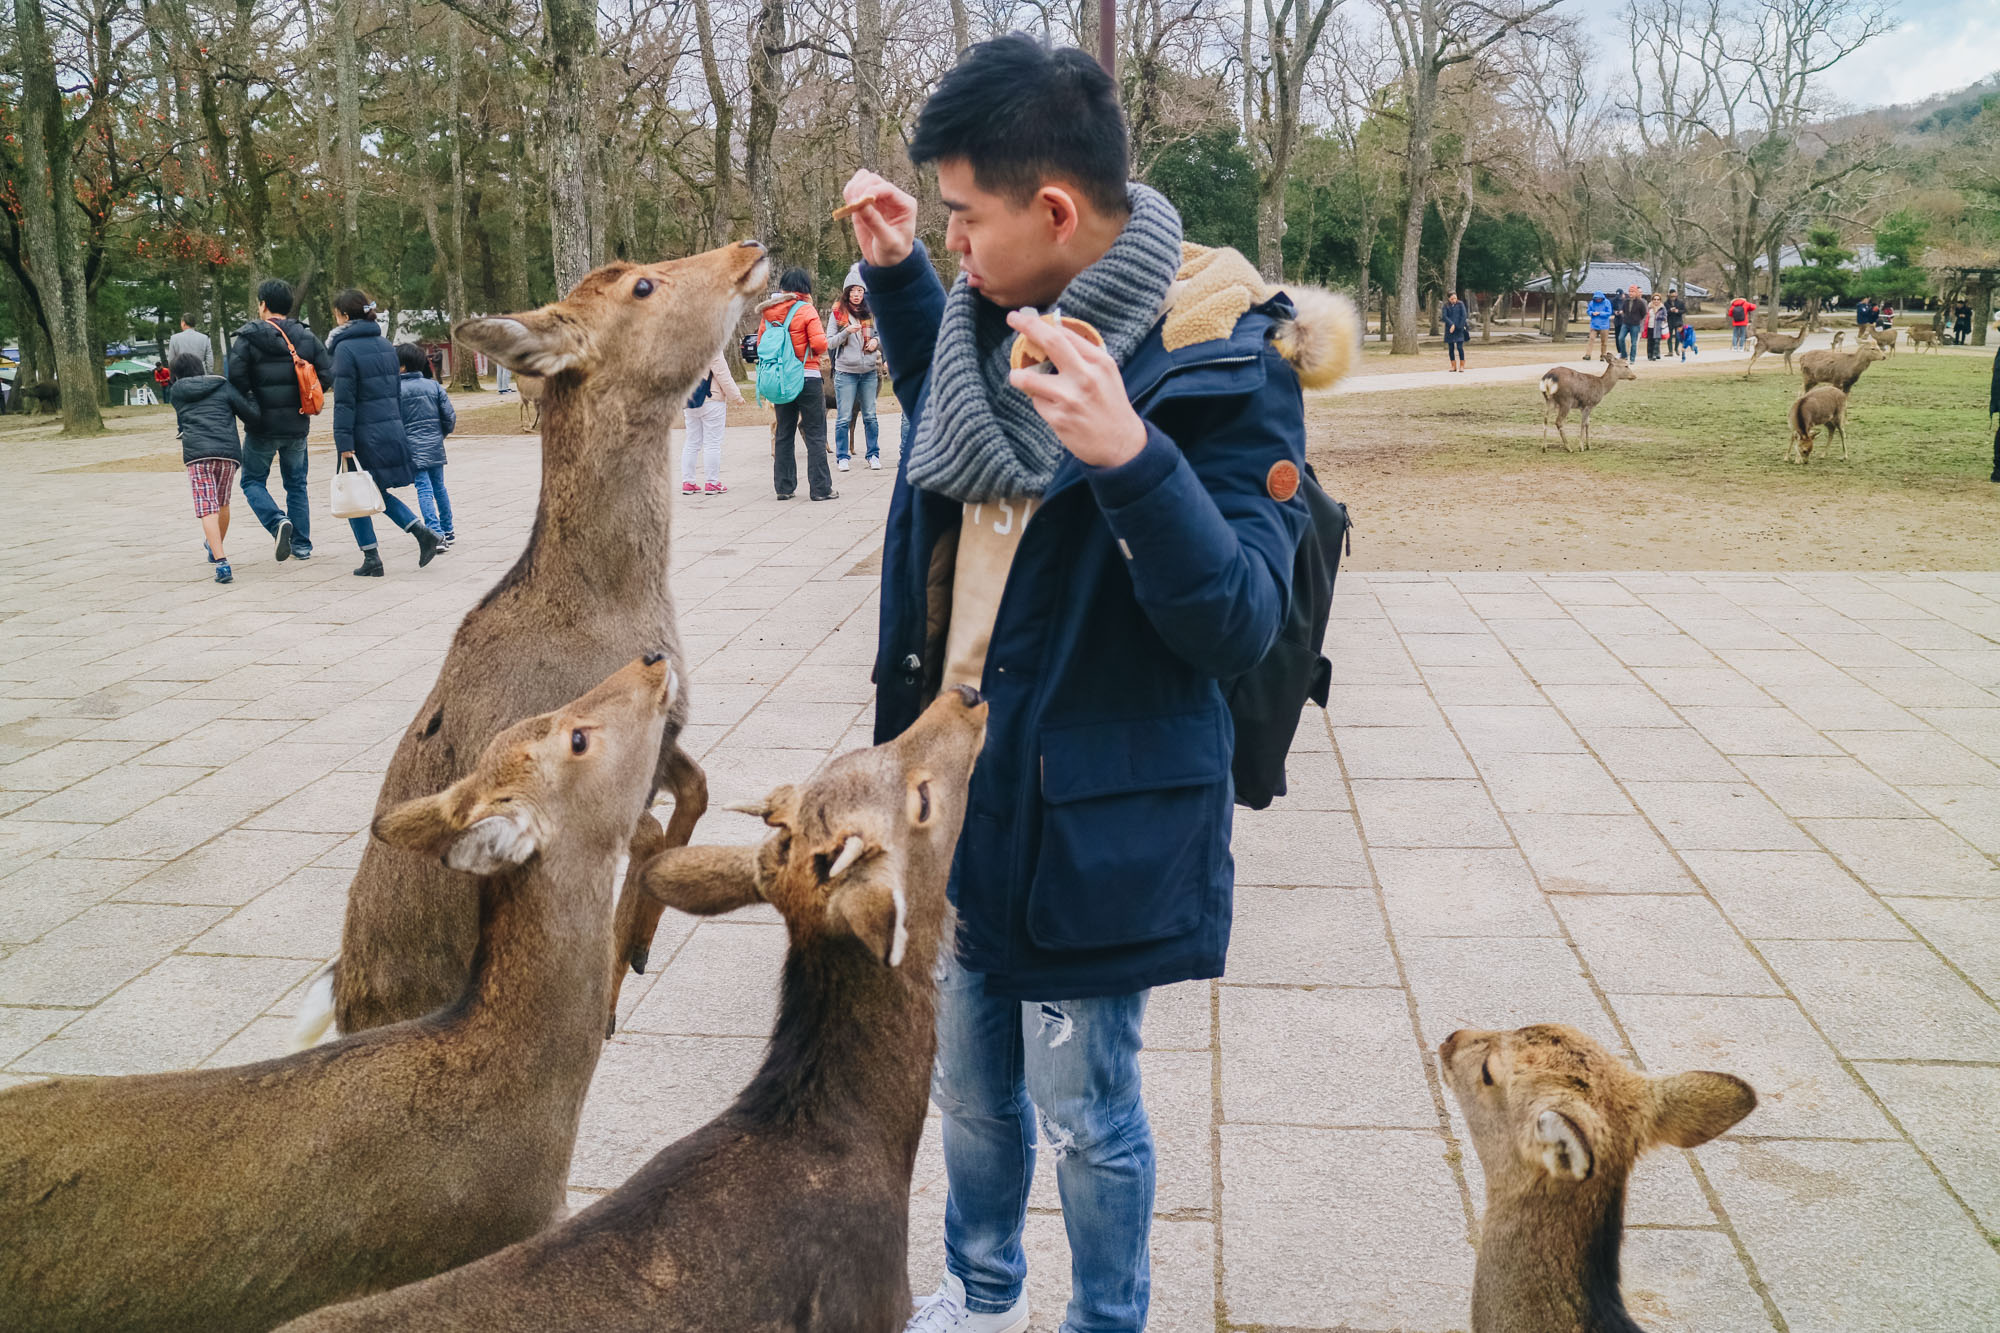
pixel 206 408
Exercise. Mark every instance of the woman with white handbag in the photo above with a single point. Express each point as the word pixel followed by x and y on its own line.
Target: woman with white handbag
pixel 368 432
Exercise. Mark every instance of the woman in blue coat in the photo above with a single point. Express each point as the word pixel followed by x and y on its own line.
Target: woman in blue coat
pixel 368 423
pixel 1457 328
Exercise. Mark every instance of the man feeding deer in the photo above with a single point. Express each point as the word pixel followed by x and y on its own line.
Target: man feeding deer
pixel 1095 522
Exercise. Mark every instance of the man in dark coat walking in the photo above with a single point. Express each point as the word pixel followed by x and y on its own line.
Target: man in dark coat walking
pixel 1093 548
pixel 261 368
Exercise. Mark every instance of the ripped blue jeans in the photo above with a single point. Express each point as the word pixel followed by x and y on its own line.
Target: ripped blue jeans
pixel 1070 1068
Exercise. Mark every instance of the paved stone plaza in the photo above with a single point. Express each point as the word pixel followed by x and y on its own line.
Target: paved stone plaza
pixel 1739 822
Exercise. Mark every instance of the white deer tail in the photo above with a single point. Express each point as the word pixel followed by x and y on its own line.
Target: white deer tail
pixel 1548 386
pixel 316 1012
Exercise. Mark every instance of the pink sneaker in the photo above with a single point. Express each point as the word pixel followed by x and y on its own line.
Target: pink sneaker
pixel 716 488
pixel 689 488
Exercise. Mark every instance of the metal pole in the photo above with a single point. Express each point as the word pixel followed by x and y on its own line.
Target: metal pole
pixel 1107 36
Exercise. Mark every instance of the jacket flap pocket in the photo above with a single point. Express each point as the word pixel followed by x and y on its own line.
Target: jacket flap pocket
pixel 1094 759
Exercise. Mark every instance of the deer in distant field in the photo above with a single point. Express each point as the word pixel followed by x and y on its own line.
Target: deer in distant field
pixel 1839 337
pixel 1569 390
pixel 1821 406
pixel 1924 335
pixel 230 1200
pixel 1840 369
pixel 531 400
pixel 1776 344
pixel 1558 1123
pixel 620 354
pixel 1884 338
pixel 791 1209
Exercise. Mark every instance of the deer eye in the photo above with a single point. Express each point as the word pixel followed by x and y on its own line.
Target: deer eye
pixel 643 288
pixel 1486 1071
pixel 579 741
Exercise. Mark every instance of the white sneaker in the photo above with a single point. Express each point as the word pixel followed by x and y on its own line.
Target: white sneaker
pixel 874 465
pixel 842 465
pixel 943 1311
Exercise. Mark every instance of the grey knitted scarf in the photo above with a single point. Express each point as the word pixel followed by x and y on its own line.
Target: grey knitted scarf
pixel 980 438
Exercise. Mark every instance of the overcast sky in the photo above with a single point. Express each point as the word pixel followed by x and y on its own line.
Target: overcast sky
pixel 1938 46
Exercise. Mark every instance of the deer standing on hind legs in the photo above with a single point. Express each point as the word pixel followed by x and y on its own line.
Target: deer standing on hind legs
pixel 1558 1123
pixel 1566 390
pixel 620 354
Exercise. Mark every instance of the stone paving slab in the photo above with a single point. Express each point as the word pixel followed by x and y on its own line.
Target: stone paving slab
pixel 1741 821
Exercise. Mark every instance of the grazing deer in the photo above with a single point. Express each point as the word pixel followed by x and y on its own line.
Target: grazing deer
pixel 620 354
pixel 1924 335
pixel 1566 390
pixel 1840 369
pixel 234 1199
pixel 1823 405
pixel 531 387
pixel 1776 344
pixel 1839 337
pixel 1558 1123
pixel 791 1209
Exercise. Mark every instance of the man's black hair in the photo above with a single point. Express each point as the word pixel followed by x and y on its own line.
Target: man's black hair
pixel 191 321
pixel 187 366
pixel 796 279
pixel 276 294
pixel 411 357
pixel 1021 115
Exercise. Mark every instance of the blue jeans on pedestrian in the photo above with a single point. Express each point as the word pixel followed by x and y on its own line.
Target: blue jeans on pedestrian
pixel 1628 341
pixel 1070 1067
pixel 258 451
pixel 432 499
pixel 1736 335
pixel 392 509
pixel 848 386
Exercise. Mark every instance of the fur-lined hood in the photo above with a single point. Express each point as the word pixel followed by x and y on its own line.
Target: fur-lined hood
pixel 1216 287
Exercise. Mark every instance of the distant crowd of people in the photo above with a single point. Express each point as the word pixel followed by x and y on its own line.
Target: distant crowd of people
pixel 390 420
pixel 1636 316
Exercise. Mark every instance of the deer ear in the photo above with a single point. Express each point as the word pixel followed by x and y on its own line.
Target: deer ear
pixel 703 881
pixel 492 844
pixel 423 825
pixel 874 911
pixel 445 826
pixel 538 342
pixel 1691 1109
pixel 1561 1146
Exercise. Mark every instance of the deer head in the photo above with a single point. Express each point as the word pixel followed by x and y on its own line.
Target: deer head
pixel 860 850
pixel 1548 1107
pixel 584 769
pixel 1619 369
pixel 644 329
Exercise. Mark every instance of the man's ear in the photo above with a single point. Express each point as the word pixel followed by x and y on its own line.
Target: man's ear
pixel 476 838
pixel 703 881
pixel 1561 1145
pixel 1691 1109
pixel 537 342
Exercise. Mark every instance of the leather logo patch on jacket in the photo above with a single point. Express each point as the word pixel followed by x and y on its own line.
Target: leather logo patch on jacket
pixel 1282 481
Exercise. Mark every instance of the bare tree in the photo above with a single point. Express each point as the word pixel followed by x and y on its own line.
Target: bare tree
pixel 571 31
pixel 1274 74
pixel 1431 36
pixel 1556 186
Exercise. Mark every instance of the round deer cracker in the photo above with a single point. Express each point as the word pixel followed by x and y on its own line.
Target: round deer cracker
pixel 1024 356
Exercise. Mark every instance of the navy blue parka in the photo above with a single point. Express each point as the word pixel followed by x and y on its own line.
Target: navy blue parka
pixel 1095 854
pixel 368 402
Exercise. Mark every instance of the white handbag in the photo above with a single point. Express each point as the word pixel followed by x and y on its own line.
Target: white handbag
pixel 354 494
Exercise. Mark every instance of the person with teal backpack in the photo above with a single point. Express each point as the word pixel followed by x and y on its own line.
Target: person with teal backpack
pixel 789 346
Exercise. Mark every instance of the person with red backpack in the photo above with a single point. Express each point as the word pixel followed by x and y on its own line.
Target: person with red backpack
pixel 279 365
pixel 789 345
pixel 1740 312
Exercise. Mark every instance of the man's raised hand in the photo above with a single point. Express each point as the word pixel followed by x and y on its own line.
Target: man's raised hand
pixel 885 226
pixel 1084 402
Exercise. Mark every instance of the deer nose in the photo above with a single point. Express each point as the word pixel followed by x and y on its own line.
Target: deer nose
pixel 653 659
pixel 971 697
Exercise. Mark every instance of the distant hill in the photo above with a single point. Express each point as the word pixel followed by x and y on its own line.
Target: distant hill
pixel 1938 114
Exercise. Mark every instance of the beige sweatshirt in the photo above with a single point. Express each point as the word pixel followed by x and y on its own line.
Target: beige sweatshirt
pixel 988 538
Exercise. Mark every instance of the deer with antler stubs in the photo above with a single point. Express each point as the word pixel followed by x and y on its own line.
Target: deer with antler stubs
pixel 619 355
pixel 1568 390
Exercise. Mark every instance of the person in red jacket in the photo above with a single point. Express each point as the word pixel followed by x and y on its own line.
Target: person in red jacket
pixel 1740 312
pixel 805 415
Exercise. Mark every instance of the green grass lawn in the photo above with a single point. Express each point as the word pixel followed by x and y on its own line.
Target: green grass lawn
pixel 1914 423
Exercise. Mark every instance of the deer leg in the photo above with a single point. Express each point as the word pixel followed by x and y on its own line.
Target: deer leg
pixel 1586 431
pixel 639 913
pixel 648 841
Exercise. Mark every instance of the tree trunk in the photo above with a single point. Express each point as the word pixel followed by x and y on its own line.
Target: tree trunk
pixel 347 82
pixel 766 87
pixel 868 82
pixel 1416 179
pixel 572 46
pixel 1461 221
pixel 961 26
pixel 1770 311
pixel 51 230
pixel 725 118
pixel 465 372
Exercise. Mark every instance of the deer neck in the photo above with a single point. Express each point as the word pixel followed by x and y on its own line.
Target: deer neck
pixel 853 1043
pixel 1549 1261
pixel 541 978
pixel 606 508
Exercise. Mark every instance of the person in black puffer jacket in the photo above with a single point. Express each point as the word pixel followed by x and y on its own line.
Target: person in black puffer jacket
pixel 368 423
pixel 205 409
pixel 261 368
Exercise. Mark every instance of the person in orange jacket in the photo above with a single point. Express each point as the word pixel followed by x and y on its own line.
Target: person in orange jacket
pixel 792 309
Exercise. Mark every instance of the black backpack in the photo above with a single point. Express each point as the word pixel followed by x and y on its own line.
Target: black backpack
pixel 1265 702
